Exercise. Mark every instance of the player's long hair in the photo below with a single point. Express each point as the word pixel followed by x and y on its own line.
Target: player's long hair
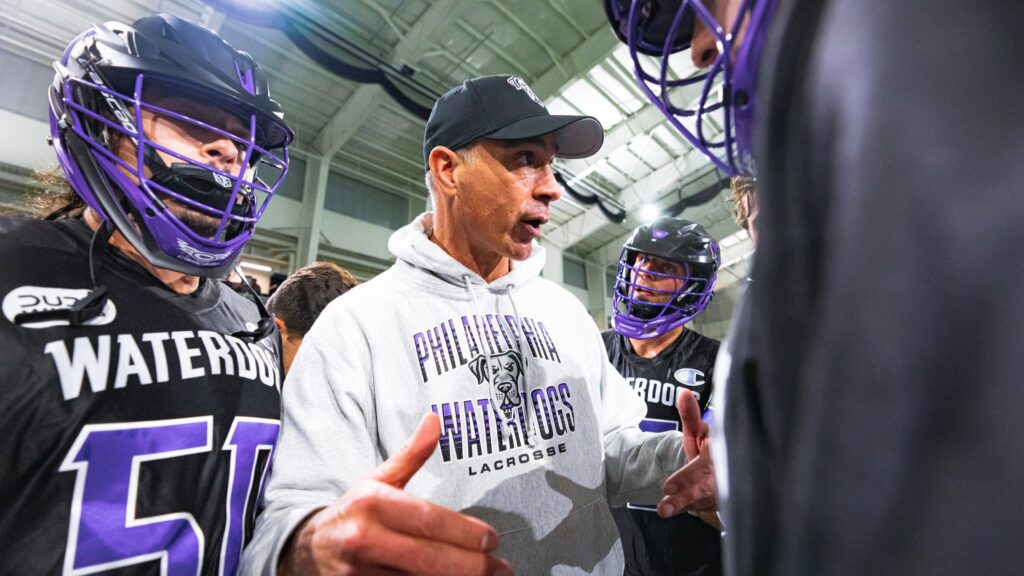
pixel 53 198
pixel 743 189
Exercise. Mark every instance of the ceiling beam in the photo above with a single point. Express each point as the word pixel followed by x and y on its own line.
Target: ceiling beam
pixel 348 119
pixel 576 63
pixel 360 106
pixel 643 121
pixel 647 189
pixel 508 14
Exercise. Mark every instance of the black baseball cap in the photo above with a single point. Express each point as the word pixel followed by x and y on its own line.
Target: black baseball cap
pixel 504 108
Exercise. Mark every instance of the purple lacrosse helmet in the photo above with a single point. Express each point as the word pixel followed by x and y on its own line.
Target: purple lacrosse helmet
pixel 105 80
pixel 636 310
pixel 663 28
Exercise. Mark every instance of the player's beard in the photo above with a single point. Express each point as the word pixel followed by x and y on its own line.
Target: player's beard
pixel 202 224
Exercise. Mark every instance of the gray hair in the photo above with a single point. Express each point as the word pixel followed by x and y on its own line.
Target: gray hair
pixel 467 153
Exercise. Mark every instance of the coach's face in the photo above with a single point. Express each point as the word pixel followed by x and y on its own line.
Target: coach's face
pixel 504 192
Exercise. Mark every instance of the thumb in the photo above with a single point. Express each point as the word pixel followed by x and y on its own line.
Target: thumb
pixel 693 427
pixel 400 467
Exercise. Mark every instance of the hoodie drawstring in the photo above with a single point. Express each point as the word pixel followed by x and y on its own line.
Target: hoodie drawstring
pixel 531 417
pixel 532 428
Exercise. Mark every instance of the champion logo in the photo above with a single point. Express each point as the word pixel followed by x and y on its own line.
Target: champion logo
pixel 199 257
pixel 520 84
pixel 690 377
pixel 46 298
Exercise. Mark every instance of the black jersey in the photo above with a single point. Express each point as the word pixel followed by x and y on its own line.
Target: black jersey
pixel 873 408
pixel 139 440
pixel 682 544
pixel 687 364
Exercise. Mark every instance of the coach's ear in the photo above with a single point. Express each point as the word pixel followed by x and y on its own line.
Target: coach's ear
pixel 478 366
pixel 443 162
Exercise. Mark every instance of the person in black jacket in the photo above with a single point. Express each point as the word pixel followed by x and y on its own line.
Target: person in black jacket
pixel 873 390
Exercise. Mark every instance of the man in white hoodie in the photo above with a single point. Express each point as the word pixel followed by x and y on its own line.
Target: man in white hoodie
pixel 539 434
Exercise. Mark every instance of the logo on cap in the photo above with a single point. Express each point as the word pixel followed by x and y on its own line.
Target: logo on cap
pixel 520 84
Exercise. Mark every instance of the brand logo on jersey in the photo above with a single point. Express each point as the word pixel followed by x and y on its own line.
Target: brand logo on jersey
pixel 44 298
pixel 198 256
pixel 689 377
pixel 520 84
pixel 504 373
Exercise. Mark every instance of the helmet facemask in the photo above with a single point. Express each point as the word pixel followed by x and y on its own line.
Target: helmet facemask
pixel 716 120
pixel 168 193
pixel 644 311
pixel 226 205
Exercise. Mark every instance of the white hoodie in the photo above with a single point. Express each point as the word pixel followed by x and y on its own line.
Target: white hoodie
pixel 429 334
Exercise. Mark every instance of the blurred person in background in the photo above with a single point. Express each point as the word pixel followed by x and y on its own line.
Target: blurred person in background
pixel 301 298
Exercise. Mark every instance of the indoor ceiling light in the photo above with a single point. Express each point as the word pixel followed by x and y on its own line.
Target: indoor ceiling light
pixel 649 212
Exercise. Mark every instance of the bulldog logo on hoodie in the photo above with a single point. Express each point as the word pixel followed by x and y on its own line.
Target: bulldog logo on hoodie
pixel 504 373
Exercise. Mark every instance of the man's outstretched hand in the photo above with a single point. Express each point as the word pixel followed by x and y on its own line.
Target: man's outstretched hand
pixel 693 486
pixel 378 528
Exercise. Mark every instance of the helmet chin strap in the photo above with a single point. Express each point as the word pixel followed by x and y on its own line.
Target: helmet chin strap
pixel 265 326
pixel 88 307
